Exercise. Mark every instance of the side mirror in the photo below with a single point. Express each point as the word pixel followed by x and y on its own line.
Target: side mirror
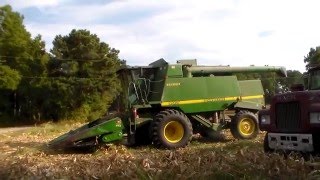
pixel 297 87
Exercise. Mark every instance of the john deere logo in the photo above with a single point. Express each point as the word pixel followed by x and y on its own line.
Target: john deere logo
pixel 172 84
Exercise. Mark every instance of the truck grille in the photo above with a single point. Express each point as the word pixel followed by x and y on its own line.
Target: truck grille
pixel 288 116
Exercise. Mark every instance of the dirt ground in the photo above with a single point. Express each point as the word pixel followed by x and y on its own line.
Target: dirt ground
pixel 13 129
pixel 25 155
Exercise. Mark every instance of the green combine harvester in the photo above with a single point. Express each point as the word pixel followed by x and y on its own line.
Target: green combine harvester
pixel 165 104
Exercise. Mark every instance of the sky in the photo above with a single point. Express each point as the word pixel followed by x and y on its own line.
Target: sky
pixel 215 32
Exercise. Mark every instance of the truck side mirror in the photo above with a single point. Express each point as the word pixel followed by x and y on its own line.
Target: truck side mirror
pixel 297 87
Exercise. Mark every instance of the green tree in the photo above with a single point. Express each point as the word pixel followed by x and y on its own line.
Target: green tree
pixel 18 49
pixel 313 58
pixel 30 94
pixel 9 78
pixel 22 58
pixel 293 77
pixel 85 75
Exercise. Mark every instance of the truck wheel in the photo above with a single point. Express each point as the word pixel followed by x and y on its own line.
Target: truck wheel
pixel 266 147
pixel 244 125
pixel 316 143
pixel 171 129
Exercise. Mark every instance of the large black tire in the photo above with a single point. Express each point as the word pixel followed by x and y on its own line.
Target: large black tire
pixel 266 147
pixel 244 125
pixel 171 129
pixel 316 143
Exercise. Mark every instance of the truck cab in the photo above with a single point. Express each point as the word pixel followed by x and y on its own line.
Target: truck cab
pixel 293 121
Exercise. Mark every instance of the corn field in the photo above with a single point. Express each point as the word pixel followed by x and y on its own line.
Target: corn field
pixel 25 155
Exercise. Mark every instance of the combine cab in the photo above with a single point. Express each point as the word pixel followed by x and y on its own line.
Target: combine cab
pixel 165 104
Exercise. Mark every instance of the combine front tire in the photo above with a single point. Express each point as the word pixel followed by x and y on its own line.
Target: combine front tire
pixel 244 125
pixel 171 129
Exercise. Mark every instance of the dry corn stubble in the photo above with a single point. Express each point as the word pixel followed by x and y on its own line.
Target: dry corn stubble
pixel 25 155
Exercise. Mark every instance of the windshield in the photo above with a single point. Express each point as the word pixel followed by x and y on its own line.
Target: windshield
pixel 135 84
pixel 314 81
pixel 139 85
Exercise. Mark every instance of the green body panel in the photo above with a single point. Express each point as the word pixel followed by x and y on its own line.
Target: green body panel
pixel 200 94
pixel 194 88
pixel 115 136
pixel 108 127
pixel 175 70
pixel 252 95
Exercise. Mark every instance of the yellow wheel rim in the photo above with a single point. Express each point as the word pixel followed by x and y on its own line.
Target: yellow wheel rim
pixel 247 126
pixel 173 132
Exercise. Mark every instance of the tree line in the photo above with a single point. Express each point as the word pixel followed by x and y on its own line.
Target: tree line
pixel 77 78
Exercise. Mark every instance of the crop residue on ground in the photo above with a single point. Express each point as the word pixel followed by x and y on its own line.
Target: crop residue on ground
pixel 24 154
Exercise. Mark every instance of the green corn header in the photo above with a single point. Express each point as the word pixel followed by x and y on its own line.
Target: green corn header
pixel 165 104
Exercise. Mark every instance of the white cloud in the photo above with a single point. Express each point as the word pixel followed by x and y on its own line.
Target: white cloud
pixel 215 32
pixel 20 4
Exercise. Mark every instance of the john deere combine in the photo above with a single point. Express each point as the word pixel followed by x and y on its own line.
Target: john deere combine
pixel 165 104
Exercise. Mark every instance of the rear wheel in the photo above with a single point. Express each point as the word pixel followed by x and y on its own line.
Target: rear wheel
pixel 244 125
pixel 316 143
pixel 171 129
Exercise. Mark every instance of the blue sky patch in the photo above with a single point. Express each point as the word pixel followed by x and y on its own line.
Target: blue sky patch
pixel 83 2
pixel 264 34
pixel 128 17
pixel 33 14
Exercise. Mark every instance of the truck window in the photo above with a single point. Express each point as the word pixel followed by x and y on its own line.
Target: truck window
pixel 314 82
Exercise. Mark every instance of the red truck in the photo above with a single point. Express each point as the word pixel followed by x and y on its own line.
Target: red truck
pixel 292 122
